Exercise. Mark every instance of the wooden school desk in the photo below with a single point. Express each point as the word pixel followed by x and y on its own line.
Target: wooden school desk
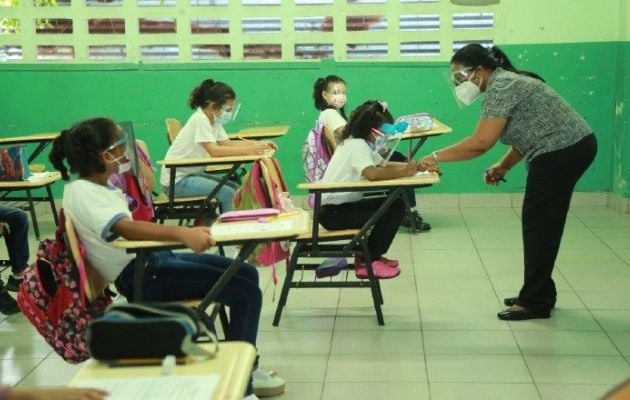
pixel 309 246
pixel 234 161
pixel 438 129
pixel 247 233
pixel 233 363
pixel 42 140
pixel 28 186
pixel 260 132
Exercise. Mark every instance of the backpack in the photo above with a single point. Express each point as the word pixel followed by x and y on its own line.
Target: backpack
pixel 315 157
pixel 53 298
pixel 264 187
pixel 136 188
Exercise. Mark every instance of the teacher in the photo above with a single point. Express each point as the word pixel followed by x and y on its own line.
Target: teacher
pixel 558 145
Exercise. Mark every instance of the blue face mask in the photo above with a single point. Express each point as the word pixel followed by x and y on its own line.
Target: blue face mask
pixel 227 116
pixel 224 118
pixel 379 142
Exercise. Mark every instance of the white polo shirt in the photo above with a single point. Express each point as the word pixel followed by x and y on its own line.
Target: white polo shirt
pixel 94 209
pixel 349 160
pixel 188 144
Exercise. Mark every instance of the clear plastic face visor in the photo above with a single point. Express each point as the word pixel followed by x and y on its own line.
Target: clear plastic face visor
pixel 232 110
pixel 454 78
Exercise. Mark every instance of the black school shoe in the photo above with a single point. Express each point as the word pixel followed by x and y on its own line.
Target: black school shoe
pixel 8 305
pixel 13 284
pixel 522 315
pixel 421 226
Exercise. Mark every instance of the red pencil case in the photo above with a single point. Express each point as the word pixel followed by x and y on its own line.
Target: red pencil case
pixel 247 215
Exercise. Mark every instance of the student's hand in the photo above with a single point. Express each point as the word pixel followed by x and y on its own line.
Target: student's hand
pixel 198 239
pixel 494 174
pixel 258 148
pixel 56 394
pixel 270 145
pixel 428 163
pixel 411 168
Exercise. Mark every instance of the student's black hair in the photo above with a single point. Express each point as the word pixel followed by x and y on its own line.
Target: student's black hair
pixel 82 145
pixel 368 115
pixel 474 55
pixel 321 84
pixel 210 91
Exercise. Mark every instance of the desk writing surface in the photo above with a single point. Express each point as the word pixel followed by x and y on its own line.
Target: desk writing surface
pixel 47 179
pixel 36 138
pixel 260 132
pixel 423 178
pixel 234 231
pixel 438 129
pixel 191 162
pixel 233 362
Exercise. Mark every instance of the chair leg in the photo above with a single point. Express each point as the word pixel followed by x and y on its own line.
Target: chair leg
pixel 31 206
pixel 374 285
pixel 288 279
pixel 223 317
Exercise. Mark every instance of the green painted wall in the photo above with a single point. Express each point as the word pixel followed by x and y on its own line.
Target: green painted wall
pixel 43 98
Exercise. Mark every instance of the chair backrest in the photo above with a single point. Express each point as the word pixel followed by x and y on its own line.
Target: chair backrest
pixel 173 126
pixel 95 282
pixel 147 171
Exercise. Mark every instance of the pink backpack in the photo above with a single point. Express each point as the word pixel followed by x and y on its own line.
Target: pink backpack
pixel 315 157
pixel 52 296
pixel 263 187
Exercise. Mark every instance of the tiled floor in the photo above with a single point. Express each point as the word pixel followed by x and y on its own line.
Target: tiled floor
pixel 442 339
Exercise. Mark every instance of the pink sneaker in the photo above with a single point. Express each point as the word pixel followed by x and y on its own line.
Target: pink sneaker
pixel 389 262
pixel 381 270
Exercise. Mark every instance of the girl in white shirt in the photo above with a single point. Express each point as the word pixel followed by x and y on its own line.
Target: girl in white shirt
pixel 330 96
pixel 356 159
pixel 95 149
pixel 203 135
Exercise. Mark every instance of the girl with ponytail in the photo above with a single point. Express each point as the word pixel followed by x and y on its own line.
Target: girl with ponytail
pixel 203 136
pixel 558 146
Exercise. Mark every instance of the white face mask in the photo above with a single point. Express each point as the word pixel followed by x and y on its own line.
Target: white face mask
pixel 467 92
pixel 338 100
pixel 123 166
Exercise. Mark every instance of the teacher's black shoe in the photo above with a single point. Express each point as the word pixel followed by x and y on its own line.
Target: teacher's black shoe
pixel 510 301
pixel 521 315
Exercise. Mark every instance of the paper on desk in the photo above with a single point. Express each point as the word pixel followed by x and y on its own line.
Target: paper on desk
pixel 238 228
pixel 423 173
pixel 189 387
pixel 38 176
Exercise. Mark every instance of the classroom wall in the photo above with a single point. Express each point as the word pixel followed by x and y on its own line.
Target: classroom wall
pixel 586 66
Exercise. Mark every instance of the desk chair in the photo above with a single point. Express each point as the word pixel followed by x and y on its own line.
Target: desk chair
pixel 94 284
pixel 173 126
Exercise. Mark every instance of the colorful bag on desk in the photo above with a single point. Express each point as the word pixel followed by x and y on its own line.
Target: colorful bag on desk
pixel 52 296
pixel 13 164
pixel 419 122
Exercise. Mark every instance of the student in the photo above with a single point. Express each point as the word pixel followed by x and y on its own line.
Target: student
pixel 14 228
pixel 202 136
pixel 94 149
pixel 558 145
pixel 9 393
pixel 330 98
pixel 355 159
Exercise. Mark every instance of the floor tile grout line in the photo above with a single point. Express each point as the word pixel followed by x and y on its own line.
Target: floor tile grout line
pixel 531 375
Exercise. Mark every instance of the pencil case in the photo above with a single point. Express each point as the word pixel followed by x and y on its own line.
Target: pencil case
pixel 145 332
pixel 246 215
pixel 418 122
pixel 330 267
